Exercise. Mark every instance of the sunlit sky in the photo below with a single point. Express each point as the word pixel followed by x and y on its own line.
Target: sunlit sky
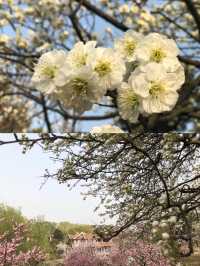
pixel 20 182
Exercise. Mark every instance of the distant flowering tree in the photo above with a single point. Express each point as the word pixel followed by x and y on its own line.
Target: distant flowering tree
pixel 138 255
pixel 10 255
pixel 84 257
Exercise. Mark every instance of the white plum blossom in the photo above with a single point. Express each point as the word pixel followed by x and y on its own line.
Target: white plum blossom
pixel 55 3
pixel 134 9
pixel 165 252
pixel 124 9
pixel 80 89
pixel 47 75
pixel 165 236
pixel 163 225
pixel 126 46
pixel 43 47
pixel 180 74
pixel 157 88
pixel 4 39
pixel 108 66
pixel 154 230
pixel 162 199
pixel 159 49
pixel 128 103
pixel 172 65
pixel 106 129
pixel 155 223
pixel 184 207
pixel 144 73
pixel 78 55
pixel 172 219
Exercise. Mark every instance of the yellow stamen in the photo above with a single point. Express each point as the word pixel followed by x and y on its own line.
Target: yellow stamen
pixel 155 89
pixel 157 55
pixel 130 47
pixel 80 86
pixel 49 71
pixel 103 68
pixel 81 60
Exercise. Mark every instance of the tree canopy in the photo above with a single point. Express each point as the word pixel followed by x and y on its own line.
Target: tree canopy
pixel 141 180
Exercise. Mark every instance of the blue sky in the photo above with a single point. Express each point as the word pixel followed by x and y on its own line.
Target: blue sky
pixel 20 181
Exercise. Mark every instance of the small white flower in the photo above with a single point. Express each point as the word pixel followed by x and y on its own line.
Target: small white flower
pixel 4 39
pixel 159 49
pixel 128 103
pixel 184 207
pixel 165 236
pixel 127 45
pixel 157 88
pixel 154 230
pixel 47 75
pixel 162 200
pixel 108 66
pixel 165 252
pixel 80 89
pixel 134 9
pixel 77 57
pixel 146 15
pixel 155 223
pixel 170 210
pixel 172 219
pixel 106 129
pixel 124 9
pixel 163 225
pixel 172 64
pixel 49 2
pixel 43 47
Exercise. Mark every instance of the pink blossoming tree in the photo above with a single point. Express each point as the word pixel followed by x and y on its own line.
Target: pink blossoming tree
pixel 10 254
pixel 139 254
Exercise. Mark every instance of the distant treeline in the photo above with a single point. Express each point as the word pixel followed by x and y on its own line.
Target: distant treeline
pixel 39 232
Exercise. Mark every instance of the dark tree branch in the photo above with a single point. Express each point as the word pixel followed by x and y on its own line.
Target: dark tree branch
pixel 193 10
pixel 103 15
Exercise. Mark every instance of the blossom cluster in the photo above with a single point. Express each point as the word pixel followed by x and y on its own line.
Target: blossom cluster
pixel 144 71
pixel 164 231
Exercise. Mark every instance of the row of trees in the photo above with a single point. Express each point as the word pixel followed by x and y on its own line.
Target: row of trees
pixel 25 234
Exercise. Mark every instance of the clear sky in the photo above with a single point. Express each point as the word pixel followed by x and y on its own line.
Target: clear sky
pixel 20 181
